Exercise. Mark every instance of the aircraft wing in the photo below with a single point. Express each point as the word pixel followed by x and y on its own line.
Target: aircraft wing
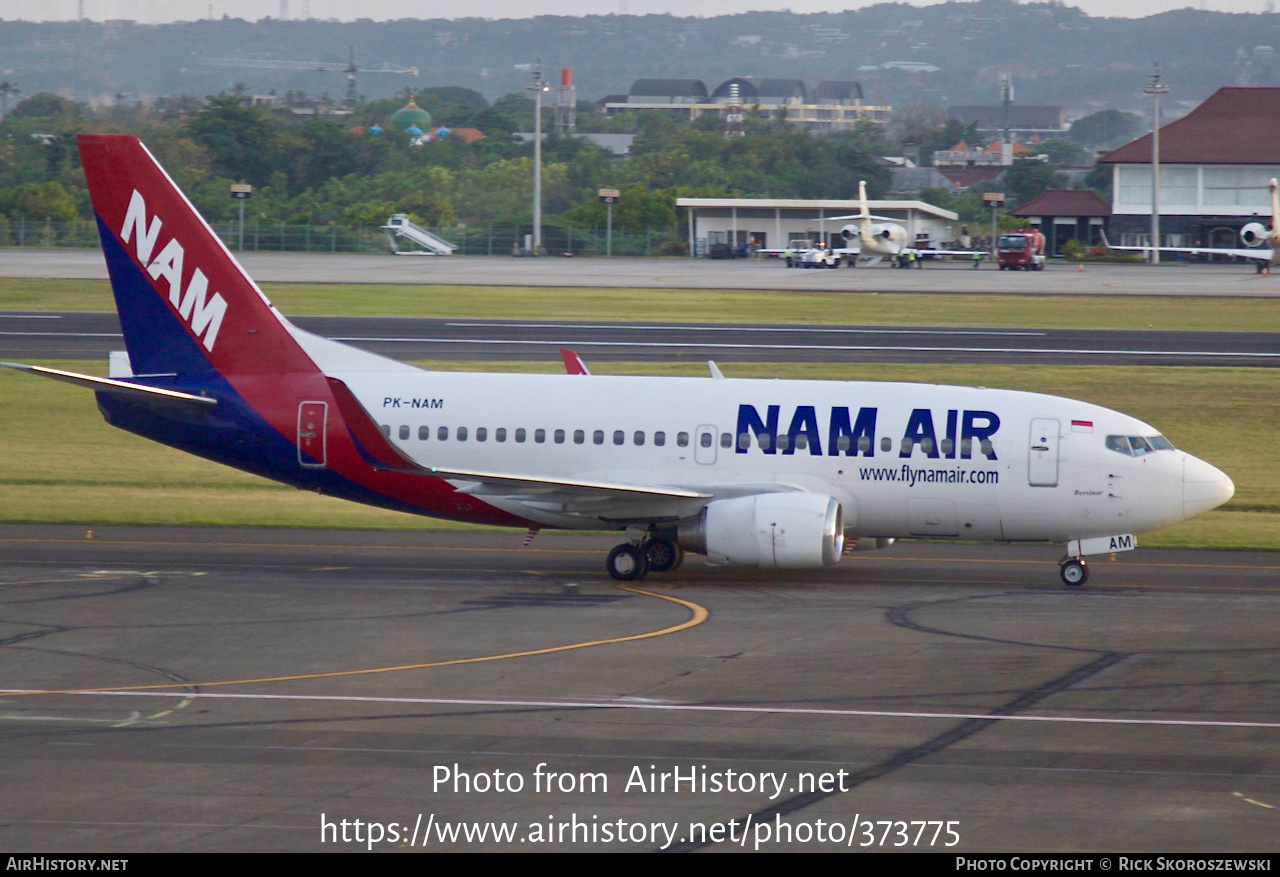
pixel 126 389
pixel 1239 252
pixel 933 251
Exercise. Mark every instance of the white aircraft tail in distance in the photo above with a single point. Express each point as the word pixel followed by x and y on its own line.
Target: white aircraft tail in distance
pixel 1261 244
pixel 767 474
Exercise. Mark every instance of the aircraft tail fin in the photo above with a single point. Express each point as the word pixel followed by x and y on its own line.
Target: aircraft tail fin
pixel 865 211
pixel 185 304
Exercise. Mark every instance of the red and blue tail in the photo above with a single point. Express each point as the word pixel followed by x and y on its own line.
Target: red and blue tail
pixel 198 330
pixel 185 304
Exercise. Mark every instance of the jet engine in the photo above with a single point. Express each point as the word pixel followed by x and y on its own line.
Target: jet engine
pixel 1255 234
pixel 768 530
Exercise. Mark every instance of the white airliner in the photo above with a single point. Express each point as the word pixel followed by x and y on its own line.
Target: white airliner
pixel 758 473
pixel 878 236
pixel 1260 243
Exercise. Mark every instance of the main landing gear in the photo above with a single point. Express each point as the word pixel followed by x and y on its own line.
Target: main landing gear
pixel 630 562
pixel 1073 570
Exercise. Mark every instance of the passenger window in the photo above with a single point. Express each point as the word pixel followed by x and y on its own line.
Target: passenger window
pixel 404 431
pixel 726 440
pixel 682 439
pixel 619 436
pixel 638 438
pixel 988 449
pixel 559 436
pixel 424 433
pixel 659 439
pixel 500 434
pixel 386 430
pixel 539 436
pixel 462 434
pixel 864 444
pixel 948 447
pixel 705 440
pixel 966 447
pixel 520 436
pixel 579 436
pixel 744 440
pixel 481 433
pixel 764 440
pixel 784 442
pixel 597 437
pixel 886 444
pixel 802 442
pixel 442 433
pixel 926 445
pixel 907 445
pixel 842 443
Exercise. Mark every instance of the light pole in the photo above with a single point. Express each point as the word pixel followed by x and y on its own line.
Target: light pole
pixel 538 87
pixel 1155 89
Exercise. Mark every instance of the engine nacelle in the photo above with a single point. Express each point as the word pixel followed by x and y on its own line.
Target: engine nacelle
pixel 1255 234
pixel 768 530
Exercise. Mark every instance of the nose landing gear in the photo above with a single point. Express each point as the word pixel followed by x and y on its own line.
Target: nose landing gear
pixel 1073 571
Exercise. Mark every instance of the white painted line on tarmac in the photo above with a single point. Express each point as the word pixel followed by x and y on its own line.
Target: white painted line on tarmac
pixel 1070 351
pixel 741 709
pixel 623 327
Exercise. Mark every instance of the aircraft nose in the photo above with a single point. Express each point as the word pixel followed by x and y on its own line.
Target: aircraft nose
pixel 1204 487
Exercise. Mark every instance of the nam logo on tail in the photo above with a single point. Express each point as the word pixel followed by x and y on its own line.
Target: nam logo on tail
pixel 203 314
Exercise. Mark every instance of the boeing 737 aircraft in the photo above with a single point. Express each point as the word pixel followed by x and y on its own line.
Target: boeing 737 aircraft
pixel 1261 244
pixel 759 473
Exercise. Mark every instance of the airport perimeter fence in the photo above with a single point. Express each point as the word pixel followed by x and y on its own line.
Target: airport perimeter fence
pixel 487 240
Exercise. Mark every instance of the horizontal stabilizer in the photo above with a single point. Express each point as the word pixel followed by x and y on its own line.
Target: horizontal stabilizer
pixel 124 389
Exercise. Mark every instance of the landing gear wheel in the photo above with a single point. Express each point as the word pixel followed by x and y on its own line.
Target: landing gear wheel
pixel 1074 572
pixel 663 556
pixel 627 563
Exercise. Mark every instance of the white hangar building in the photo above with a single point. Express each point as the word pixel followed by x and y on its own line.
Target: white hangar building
pixel 722 227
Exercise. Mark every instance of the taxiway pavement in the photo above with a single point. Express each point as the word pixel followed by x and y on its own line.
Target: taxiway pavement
pixel 682 273
pixel 255 686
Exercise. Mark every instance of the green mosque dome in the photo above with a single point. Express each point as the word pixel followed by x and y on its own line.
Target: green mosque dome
pixel 410 115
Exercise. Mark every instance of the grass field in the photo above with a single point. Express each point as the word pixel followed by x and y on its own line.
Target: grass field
pixel 62 463
pixel 722 306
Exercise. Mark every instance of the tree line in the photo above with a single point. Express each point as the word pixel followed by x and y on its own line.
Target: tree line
pixel 334 170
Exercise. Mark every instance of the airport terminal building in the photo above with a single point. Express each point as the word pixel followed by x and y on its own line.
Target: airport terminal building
pixel 1216 164
pixel 724 227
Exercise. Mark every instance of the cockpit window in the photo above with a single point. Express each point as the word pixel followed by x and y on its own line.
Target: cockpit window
pixel 1137 445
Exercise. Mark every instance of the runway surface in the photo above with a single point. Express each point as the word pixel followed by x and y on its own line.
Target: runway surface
pixel 26 336
pixel 293 679
pixel 683 273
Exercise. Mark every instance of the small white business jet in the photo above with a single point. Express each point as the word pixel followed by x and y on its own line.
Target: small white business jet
pixel 879 236
pixel 1261 244
pixel 759 473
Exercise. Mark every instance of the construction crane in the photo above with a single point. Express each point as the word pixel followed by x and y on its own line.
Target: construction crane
pixel 349 68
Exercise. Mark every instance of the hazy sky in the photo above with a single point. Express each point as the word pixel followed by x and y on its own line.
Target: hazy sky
pixel 173 10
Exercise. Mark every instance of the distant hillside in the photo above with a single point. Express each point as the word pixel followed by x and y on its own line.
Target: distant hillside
pixel 1057 54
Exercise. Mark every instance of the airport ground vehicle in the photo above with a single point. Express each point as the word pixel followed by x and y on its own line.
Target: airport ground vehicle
pixel 1022 249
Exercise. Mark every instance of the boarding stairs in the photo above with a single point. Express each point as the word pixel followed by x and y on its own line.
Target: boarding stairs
pixel 400 228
